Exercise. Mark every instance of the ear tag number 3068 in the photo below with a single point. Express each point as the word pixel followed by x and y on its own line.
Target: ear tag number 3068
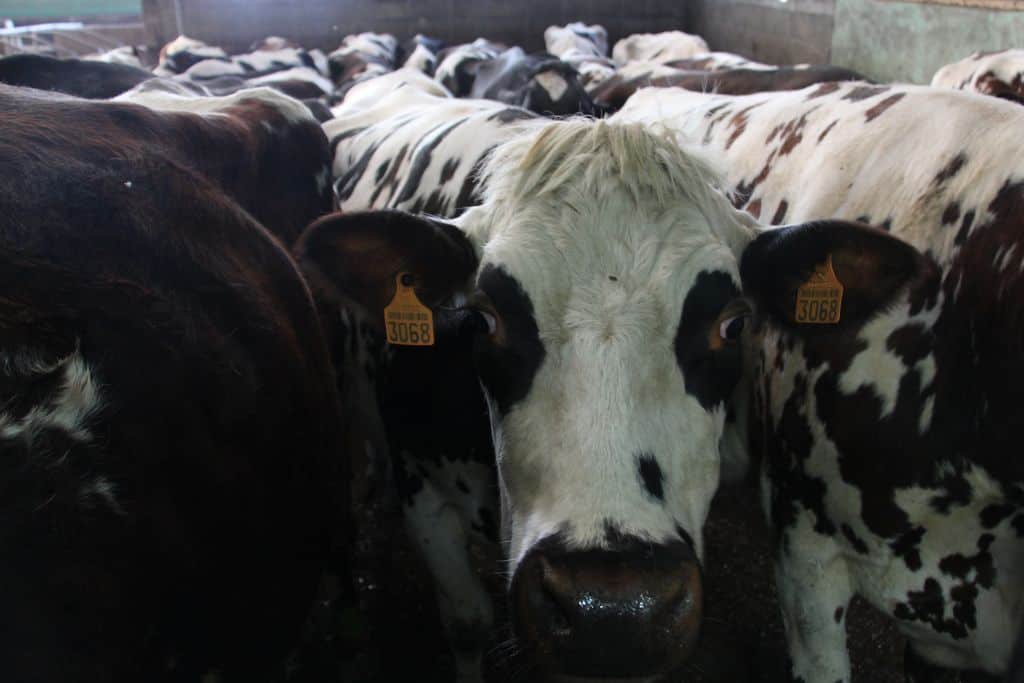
pixel 406 320
pixel 820 299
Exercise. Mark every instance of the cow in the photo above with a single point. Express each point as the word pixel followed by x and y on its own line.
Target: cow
pixel 421 53
pixel 262 148
pixel 1000 74
pixel 658 47
pixel 613 92
pixel 81 77
pixel 180 54
pixel 362 56
pixel 597 283
pixel 457 65
pixel 415 151
pixel 369 92
pixel 541 83
pixel 170 429
pixel 715 61
pixel 583 47
pixel 884 432
pixel 129 55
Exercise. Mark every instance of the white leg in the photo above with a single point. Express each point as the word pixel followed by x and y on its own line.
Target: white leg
pixel 466 611
pixel 814 594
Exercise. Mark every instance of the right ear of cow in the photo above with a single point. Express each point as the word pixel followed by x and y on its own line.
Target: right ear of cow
pixel 871 265
pixel 357 256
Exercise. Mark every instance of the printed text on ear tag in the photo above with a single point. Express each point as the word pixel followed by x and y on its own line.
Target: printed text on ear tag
pixel 406 320
pixel 820 299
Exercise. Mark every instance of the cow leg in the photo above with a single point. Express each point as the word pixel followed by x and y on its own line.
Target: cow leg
pixel 440 533
pixel 814 594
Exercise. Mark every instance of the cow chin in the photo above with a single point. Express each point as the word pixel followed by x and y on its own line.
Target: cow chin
pixel 630 613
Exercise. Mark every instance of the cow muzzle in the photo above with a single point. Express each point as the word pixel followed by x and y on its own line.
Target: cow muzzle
pixel 633 613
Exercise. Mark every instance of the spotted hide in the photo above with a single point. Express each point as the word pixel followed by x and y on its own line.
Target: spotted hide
pixel 596 291
pixel 539 83
pixel 1000 74
pixel 887 440
pixel 169 428
pixel 613 92
pixel 583 47
pixel 415 151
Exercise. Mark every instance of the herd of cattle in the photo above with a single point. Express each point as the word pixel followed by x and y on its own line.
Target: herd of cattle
pixel 196 261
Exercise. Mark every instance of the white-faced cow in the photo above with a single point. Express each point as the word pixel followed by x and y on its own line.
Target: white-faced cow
pixel 658 47
pixel 1000 74
pixel 420 53
pixel 888 438
pixel 596 292
pixel 170 430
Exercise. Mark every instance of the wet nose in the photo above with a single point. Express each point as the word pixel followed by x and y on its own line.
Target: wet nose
pixel 608 614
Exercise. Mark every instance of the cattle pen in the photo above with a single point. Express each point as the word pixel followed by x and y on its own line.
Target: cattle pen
pixel 486 341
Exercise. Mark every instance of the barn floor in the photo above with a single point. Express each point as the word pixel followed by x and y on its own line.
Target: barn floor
pixel 395 635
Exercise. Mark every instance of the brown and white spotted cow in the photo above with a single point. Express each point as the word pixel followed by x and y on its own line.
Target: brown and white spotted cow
pixel 170 432
pixel 658 47
pixel 1000 74
pixel 888 439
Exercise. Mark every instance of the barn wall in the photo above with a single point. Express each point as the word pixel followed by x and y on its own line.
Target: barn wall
pixel 323 23
pixel 908 41
pixel 766 30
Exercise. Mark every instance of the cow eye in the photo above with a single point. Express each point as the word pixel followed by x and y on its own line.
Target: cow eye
pixel 731 328
pixel 482 313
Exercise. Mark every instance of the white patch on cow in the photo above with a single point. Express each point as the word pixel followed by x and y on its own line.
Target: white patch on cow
pixel 878 368
pixel 553 84
pixel 213 68
pixel 976 72
pixel 369 93
pixel 564 207
pixel 660 47
pixel 1004 262
pixel 69 411
pixel 421 59
pixel 578 38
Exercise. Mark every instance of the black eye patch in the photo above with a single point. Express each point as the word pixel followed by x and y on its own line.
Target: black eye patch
pixel 507 369
pixel 710 375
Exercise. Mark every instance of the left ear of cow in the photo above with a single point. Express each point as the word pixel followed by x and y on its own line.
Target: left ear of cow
pixel 871 265
pixel 357 256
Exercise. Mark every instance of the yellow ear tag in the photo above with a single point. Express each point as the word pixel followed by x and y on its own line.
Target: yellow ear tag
pixel 406 320
pixel 820 299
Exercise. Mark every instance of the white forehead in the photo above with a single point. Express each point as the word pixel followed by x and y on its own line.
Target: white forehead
pixel 597 221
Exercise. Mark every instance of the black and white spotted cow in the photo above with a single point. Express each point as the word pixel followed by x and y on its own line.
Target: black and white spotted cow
pixel 584 47
pixel 420 52
pixel 415 151
pixel 1000 74
pixel 541 83
pixel 888 440
pixel 715 61
pixel 170 434
pixel 361 56
pixel 457 65
pixel 596 296
pixel 658 47
pixel 181 53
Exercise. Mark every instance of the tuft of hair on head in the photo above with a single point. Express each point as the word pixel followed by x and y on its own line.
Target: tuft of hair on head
pixel 585 158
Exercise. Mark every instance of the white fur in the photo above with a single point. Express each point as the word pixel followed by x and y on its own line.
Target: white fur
pixel 660 47
pixel 576 37
pixel 298 73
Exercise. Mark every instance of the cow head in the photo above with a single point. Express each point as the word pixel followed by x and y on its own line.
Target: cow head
pixel 600 281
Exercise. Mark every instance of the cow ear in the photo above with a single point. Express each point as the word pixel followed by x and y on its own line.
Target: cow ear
pixel 357 256
pixel 871 267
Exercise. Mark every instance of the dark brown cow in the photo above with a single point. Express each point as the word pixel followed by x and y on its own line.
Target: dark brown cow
pixel 80 77
pixel 614 92
pixel 169 425
pixel 264 149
